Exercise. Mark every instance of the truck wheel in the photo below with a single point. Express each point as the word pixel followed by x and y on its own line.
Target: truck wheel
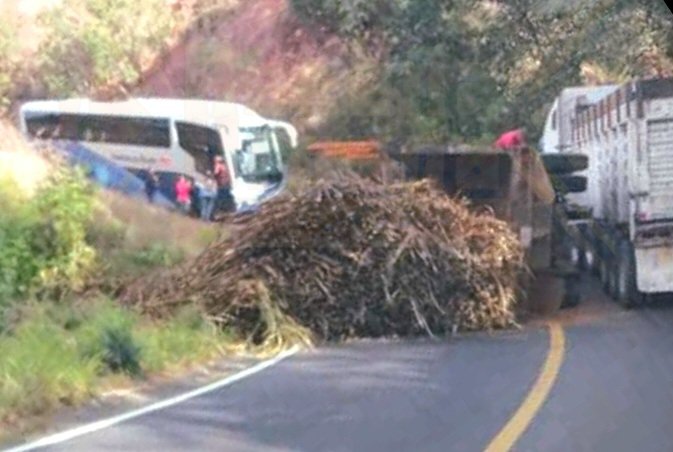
pixel 572 296
pixel 576 257
pixel 628 294
pixel 613 277
pixel 589 260
pixel 604 273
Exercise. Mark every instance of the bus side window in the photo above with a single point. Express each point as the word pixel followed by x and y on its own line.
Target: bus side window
pixel 202 143
pixel 100 129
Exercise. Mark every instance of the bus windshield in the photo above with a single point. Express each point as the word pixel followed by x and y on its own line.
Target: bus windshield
pixel 258 160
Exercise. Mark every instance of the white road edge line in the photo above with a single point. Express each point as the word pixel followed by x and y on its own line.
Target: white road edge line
pixel 106 423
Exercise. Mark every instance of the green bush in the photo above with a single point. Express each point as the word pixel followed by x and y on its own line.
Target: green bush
pixel 41 367
pixel 156 255
pixel 121 353
pixel 127 343
pixel 43 247
pixel 57 353
pixel 184 339
pixel 128 262
pixel 106 332
pixel 19 266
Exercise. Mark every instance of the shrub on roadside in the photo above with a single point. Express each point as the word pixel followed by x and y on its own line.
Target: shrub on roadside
pixel 41 368
pixel 64 212
pixel 58 353
pixel 184 339
pixel 107 334
pixel 43 247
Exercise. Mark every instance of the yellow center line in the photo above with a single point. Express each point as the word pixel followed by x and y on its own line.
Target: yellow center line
pixel 522 418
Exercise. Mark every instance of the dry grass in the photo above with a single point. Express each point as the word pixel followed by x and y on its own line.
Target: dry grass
pixel 19 162
pixel 147 225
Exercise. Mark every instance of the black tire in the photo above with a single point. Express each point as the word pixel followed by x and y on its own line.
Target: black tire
pixel 577 212
pixel 569 184
pixel 607 266
pixel 565 163
pixel 627 294
pixel 589 260
pixel 575 256
pixel 604 274
pixel 589 253
pixel 572 296
pixel 612 283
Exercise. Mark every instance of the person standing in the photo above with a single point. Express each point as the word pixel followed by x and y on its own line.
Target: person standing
pixel 183 194
pixel 223 180
pixel 151 185
pixel 513 139
pixel 207 194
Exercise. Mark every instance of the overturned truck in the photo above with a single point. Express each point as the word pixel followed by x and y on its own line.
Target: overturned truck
pixel 526 190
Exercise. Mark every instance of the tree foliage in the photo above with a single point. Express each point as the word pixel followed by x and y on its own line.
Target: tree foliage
pixel 464 70
pixel 8 60
pixel 43 240
pixel 96 43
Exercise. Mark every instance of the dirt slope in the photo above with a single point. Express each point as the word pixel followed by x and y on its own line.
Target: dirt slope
pixel 259 55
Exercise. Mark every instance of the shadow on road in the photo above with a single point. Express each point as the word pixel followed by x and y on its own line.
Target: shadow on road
pixel 596 306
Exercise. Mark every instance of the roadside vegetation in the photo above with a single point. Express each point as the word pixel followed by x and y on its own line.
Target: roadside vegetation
pixel 95 48
pixel 66 248
pixel 54 354
pixel 407 72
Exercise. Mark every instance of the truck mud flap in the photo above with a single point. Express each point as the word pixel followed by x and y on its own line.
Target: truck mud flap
pixel 654 269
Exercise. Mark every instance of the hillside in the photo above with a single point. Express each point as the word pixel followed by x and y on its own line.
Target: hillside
pixel 410 71
pixel 260 55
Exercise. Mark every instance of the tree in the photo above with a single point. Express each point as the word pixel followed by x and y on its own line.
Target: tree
pixel 463 69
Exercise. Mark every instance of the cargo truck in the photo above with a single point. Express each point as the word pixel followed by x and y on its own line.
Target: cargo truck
pixel 627 134
pixel 526 191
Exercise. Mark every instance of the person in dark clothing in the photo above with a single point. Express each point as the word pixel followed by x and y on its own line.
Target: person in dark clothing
pixel 224 200
pixel 151 184
pixel 207 194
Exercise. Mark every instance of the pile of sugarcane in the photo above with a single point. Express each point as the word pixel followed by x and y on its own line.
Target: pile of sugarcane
pixel 350 257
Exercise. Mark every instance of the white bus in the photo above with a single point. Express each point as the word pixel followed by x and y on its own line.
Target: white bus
pixel 173 137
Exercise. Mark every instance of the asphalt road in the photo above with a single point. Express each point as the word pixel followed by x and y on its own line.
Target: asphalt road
pixel 614 392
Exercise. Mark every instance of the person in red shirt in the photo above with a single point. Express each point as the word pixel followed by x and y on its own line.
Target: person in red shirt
pixel 513 139
pixel 183 194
